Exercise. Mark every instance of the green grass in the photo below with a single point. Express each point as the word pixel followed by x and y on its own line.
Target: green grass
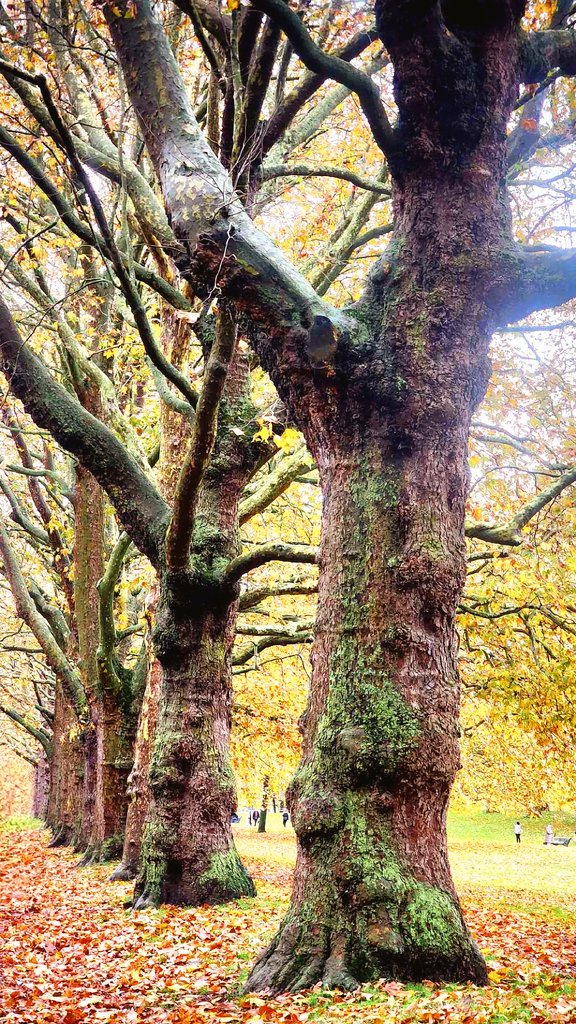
pixel 20 822
pixel 484 854
pixel 477 826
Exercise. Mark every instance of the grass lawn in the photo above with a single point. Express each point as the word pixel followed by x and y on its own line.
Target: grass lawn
pixel 71 953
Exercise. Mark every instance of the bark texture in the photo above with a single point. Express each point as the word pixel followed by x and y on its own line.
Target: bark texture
pixel 64 814
pixel 388 425
pixel 188 854
pixel 138 788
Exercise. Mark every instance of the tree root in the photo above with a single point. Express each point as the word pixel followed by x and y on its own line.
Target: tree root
pixel 61 838
pixel 123 873
pixel 294 963
pixel 301 955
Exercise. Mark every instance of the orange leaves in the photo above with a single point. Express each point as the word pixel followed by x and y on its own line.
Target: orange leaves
pixel 71 954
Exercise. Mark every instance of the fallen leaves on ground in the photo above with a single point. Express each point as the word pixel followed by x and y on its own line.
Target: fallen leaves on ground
pixel 71 953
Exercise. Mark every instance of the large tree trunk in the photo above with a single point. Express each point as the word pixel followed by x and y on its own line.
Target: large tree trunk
pixel 381 730
pixel 188 854
pixel 373 893
pixel 388 424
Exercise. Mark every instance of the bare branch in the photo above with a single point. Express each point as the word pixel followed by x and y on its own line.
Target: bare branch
pixel 327 66
pixel 271 171
pixel 510 533
pixel 39 734
pixel 251 598
pixel 275 483
pixel 38 626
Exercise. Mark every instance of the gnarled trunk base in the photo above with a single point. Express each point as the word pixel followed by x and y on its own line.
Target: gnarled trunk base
pixel 188 854
pixel 359 913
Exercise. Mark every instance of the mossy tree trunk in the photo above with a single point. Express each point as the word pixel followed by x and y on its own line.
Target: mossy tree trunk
pixel 188 854
pixel 108 741
pixel 373 894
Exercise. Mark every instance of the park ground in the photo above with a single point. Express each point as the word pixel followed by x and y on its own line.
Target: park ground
pixel 71 953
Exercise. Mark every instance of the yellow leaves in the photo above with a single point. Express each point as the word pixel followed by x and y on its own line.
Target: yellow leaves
pixel 287 440
pixel 265 430
pixel 232 5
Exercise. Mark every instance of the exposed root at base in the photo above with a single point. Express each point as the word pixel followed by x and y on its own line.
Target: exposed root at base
pixel 123 873
pixel 297 960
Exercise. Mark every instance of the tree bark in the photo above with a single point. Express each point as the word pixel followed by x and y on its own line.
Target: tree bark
pixel 373 894
pixel 108 743
pixel 138 788
pixel 41 786
pixel 64 814
pixel 387 421
pixel 188 854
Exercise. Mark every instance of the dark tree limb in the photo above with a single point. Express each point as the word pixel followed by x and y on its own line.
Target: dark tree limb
pixel 543 53
pixel 327 66
pixel 270 553
pixel 271 171
pixel 246 652
pixel 44 738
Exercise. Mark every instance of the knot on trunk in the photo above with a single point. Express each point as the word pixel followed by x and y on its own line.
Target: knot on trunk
pixel 315 815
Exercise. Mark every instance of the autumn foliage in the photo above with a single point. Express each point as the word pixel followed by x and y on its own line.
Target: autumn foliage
pixel 71 953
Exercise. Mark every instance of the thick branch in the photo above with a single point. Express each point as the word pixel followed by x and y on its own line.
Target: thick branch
pixel 226 250
pixel 542 53
pixel 38 626
pixel 106 585
pixel 270 553
pixel 39 734
pixel 275 483
pixel 534 279
pixel 140 508
pixel 510 533
pixel 248 651
pixel 251 598
pixel 179 535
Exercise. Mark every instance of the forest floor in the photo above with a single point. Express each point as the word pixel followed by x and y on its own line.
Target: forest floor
pixel 71 953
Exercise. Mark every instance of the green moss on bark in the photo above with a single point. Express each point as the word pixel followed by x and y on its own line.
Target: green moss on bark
pixel 225 878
